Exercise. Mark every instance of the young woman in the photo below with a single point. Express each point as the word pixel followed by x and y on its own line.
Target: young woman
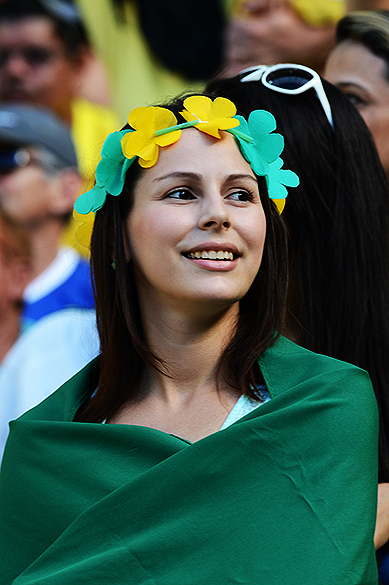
pixel 200 447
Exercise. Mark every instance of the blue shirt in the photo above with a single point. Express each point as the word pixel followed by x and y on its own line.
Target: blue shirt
pixel 69 287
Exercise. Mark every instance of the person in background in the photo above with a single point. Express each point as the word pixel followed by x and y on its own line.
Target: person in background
pixel 39 181
pixel 359 66
pixel 201 446
pixel 34 362
pixel 337 219
pixel 42 358
pixel 280 31
pixel 44 50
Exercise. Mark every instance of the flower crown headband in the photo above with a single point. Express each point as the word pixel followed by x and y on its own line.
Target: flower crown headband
pixel 154 127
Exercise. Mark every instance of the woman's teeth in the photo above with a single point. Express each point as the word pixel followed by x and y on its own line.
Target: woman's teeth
pixel 211 255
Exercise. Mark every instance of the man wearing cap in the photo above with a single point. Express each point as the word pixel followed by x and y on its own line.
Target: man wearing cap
pixel 39 181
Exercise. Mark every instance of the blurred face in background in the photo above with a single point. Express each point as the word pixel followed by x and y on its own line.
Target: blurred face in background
pixel 25 190
pixel 34 65
pixel 363 77
pixel 265 33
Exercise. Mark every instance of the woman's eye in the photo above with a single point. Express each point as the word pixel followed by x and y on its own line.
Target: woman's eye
pixel 354 99
pixel 182 194
pixel 241 195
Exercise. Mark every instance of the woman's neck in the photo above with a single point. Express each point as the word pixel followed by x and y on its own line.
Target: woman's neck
pixel 190 348
pixel 189 400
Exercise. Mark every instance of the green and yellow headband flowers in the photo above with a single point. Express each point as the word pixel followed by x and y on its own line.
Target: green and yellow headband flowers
pixel 154 127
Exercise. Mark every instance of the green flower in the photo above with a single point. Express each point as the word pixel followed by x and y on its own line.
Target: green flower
pixel 110 174
pixel 257 143
pixel 278 179
pixel 262 151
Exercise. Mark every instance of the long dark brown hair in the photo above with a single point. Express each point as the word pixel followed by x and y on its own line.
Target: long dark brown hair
pixel 124 350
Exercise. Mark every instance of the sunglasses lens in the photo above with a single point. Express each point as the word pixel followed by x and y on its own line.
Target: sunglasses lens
pixel 12 159
pixel 288 78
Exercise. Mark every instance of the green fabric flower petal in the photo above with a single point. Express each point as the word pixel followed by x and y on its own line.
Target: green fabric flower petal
pixel 265 147
pixel 261 147
pixel 110 174
pixel 112 147
pixel 278 179
pixel 92 200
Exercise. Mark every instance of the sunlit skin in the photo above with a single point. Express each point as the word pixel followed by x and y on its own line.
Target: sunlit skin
pixel 201 196
pixel 26 194
pixel 51 84
pixel 363 77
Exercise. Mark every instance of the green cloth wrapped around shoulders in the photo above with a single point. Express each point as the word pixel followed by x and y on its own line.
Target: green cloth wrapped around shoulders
pixel 286 495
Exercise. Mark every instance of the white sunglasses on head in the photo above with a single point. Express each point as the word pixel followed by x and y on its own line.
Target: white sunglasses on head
pixel 291 79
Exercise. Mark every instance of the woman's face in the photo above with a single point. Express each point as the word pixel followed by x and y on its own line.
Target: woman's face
pixel 362 76
pixel 197 227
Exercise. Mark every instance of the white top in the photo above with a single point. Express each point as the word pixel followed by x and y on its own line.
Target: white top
pixel 243 406
pixel 47 354
pixel 61 268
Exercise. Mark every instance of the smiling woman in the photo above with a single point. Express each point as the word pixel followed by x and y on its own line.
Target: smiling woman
pixel 183 442
pixel 200 212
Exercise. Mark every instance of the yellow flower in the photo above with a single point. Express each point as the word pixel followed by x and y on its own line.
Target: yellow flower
pixel 213 115
pixel 84 229
pixel 143 143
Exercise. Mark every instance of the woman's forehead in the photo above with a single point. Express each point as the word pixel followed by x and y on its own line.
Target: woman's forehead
pixel 198 152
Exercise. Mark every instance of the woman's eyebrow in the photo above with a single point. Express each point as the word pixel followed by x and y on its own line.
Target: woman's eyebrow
pixel 348 84
pixel 198 178
pixel 179 175
pixel 241 176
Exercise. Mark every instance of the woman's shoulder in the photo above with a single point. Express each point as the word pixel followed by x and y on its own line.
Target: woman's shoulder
pixel 338 396
pixel 286 365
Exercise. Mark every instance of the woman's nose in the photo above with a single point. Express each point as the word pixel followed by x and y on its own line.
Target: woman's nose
pixel 214 214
